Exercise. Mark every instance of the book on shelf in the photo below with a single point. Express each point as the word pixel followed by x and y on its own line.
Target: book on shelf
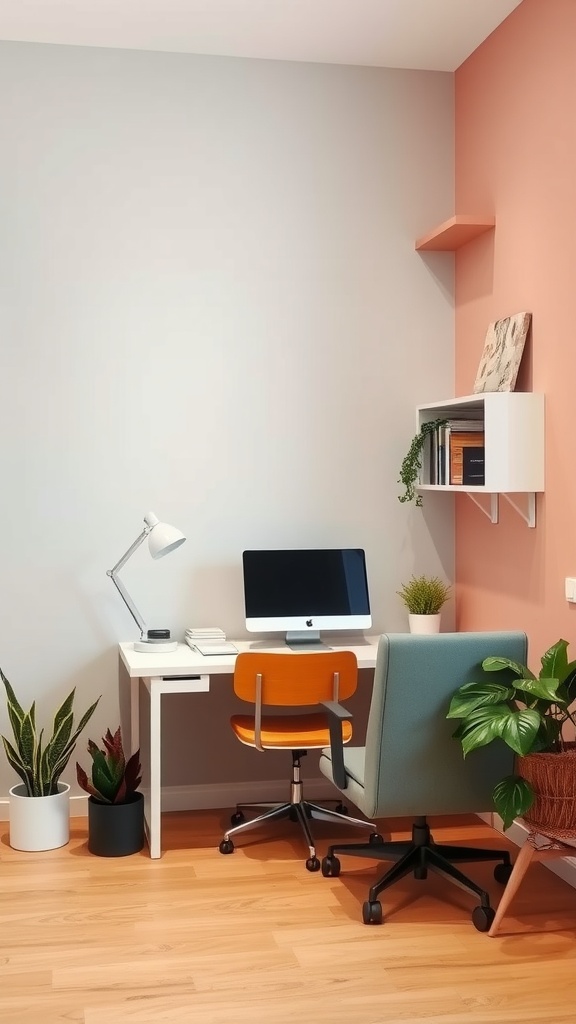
pixel 460 441
pixel 456 427
pixel 471 424
pixel 437 466
pixel 473 473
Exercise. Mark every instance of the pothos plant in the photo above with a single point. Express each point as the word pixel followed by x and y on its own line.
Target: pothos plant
pixel 412 462
pixel 525 711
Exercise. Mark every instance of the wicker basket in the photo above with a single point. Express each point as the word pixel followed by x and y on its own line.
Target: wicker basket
pixel 553 779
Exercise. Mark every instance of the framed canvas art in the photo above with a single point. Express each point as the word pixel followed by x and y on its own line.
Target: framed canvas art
pixel 503 348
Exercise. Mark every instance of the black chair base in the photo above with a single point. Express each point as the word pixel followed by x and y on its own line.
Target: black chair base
pixel 297 809
pixel 418 856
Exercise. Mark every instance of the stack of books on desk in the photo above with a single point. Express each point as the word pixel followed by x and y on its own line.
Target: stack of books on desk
pixel 209 640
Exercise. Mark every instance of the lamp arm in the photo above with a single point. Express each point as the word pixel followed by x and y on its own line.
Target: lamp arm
pixel 128 602
pixel 113 574
pixel 122 561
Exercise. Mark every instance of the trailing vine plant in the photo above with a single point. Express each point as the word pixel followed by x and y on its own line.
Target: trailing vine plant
pixel 412 462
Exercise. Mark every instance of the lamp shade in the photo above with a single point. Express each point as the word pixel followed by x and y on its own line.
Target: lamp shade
pixel 162 538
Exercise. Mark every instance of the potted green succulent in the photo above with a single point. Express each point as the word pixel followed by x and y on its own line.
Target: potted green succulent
pixel 412 462
pixel 39 807
pixel 424 597
pixel 115 807
pixel 530 714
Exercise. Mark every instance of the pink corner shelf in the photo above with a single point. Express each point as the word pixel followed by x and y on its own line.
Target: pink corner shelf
pixel 454 232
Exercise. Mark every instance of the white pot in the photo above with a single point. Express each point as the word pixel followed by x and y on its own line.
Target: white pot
pixel 39 822
pixel 424 623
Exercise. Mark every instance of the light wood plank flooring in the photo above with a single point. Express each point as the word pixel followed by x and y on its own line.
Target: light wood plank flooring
pixel 199 937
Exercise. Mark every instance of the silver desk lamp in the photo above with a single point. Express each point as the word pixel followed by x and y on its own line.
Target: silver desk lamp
pixel 162 538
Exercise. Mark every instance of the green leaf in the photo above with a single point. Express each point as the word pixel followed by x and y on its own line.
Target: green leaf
pixel 27 744
pixel 15 762
pixel 57 745
pixel 497 664
pixel 103 783
pixel 555 661
pixel 545 688
pixel 513 796
pixel 101 765
pixel 520 728
pixel 86 718
pixel 473 695
pixel 64 711
pixel 482 726
pixel 39 769
pixel 12 699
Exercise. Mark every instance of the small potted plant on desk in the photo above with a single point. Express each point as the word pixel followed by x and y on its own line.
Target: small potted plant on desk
pixel 39 807
pixel 529 713
pixel 115 808
pixel 424 597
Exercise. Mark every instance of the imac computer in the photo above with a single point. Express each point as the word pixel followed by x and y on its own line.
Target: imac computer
pixel 304 591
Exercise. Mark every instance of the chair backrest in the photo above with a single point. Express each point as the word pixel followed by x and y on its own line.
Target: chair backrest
pixel 413 765
pixel 293 679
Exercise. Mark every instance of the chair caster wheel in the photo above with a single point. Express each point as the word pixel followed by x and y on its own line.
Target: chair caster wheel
pixel 330 866
pixel 237 818
pixel 482 918
pixel 341 809
pixel 226 846
pixel 372 912
pixel 502 873
pixel 375 838
pixel 312 864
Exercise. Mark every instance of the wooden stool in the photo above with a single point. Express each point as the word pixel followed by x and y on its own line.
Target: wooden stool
pixel 540 846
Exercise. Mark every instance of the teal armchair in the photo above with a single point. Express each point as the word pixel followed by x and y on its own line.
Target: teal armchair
pixel 411 765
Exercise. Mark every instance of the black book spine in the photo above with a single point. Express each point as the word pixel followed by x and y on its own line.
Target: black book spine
pixel 473 469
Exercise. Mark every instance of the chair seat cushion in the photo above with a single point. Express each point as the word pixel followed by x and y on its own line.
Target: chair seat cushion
pixel 306 732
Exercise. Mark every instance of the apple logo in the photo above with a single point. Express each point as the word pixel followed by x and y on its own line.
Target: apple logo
pixel 309 622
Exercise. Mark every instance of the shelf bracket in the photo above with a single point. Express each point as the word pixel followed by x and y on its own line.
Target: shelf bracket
pixel 493 513
pixel 530 515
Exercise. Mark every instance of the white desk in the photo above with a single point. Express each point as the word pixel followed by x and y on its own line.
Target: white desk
pixel 184 671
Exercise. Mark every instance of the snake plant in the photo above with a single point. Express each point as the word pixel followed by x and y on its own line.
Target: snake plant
pixel 40 763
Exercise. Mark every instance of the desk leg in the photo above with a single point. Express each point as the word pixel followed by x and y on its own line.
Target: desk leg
pixel 153 800
pixel 134 714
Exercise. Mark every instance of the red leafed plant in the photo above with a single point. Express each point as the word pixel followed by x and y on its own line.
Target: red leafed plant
pixel 114 779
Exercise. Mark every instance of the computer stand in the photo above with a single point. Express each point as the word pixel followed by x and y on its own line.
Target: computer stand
pixel 305 640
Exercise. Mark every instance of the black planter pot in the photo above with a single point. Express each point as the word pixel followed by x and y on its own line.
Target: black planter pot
pixel 116 830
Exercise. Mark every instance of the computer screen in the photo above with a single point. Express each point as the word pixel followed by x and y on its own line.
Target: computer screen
pixel 305 591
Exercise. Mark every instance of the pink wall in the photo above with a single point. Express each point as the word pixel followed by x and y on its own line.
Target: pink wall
pixel 516 157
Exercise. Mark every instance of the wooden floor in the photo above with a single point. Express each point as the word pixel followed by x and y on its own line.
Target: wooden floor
pixel 199 937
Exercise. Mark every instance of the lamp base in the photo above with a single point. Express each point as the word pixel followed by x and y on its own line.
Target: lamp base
pixel 156 646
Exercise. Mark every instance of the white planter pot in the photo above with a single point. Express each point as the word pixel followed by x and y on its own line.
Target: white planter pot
pixel 39 822
pixel 424 623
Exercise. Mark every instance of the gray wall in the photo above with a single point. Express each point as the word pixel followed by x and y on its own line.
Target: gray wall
pixel 210 307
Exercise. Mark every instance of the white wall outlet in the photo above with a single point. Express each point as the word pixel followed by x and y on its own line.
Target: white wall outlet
pixel 570 589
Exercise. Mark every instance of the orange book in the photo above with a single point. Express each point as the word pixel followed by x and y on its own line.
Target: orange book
pixel 458 441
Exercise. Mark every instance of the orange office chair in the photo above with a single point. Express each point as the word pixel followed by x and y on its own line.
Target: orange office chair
pixel 293 681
